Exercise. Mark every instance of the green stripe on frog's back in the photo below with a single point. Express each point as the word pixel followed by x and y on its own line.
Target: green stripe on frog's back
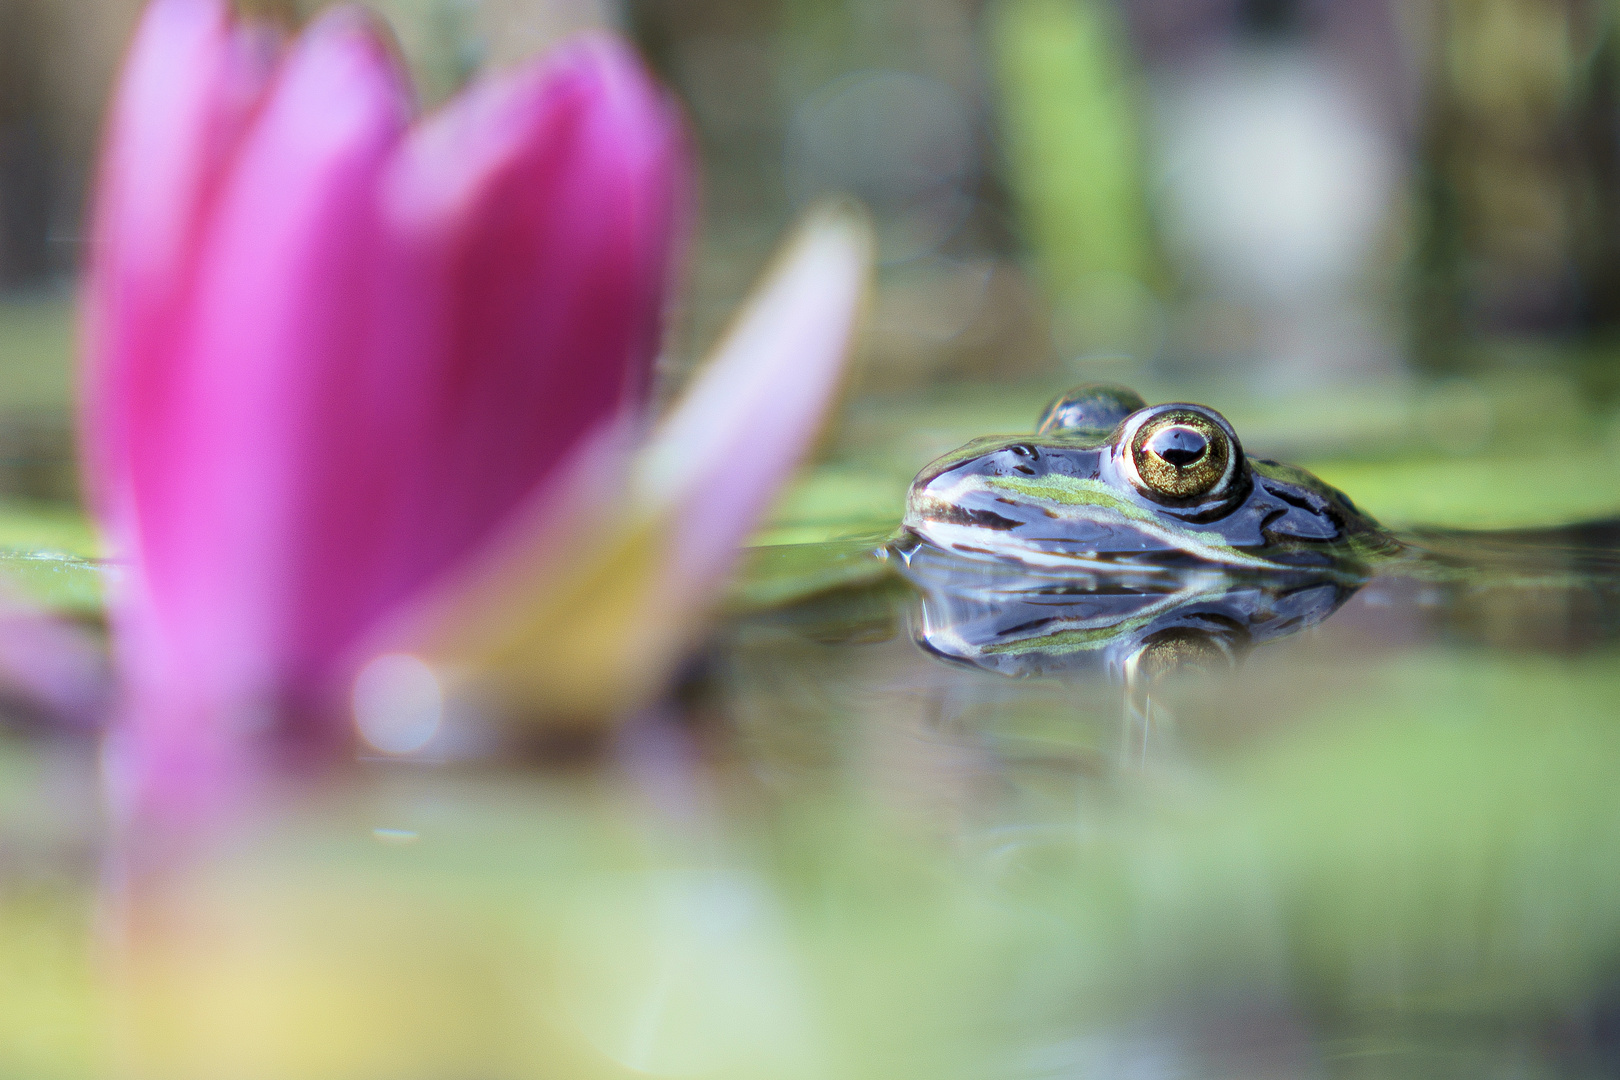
pixel 1058 491
pixel 1068 491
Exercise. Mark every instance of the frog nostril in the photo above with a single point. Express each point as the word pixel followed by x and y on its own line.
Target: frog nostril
pixel 1023 450
pixel 1178 445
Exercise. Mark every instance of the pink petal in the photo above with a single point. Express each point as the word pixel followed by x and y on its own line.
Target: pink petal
pixel 189 86
pixel 233 464
pixel 359 354
pixel 535 221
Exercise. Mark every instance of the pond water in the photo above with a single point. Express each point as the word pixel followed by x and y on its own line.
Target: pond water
pixel 1246 826
pixel 863 843
pixel 920 825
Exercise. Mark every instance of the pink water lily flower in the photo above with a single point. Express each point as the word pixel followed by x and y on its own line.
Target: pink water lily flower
pixel 365 396
pixel 333 351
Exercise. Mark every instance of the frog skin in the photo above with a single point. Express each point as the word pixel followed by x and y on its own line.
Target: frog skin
pixel 1108 483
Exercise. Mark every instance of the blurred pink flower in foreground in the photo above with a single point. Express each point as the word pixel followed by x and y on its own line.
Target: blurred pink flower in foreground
pixel 331 352
pixel 342 370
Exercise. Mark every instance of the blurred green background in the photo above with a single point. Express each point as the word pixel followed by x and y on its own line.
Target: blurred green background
pixel 1383 238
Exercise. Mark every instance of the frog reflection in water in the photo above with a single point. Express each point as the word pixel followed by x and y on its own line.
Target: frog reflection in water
pixel 1108 482
pixel 1123 535
pixel 1024 626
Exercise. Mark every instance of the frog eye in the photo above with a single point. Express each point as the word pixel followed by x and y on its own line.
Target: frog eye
pixel 1180 452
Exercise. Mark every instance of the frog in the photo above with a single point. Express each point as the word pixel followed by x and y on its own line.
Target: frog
pixel 1125 538
pixel 1109 484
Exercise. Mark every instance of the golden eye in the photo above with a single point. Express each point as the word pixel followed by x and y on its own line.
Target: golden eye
pixel 1181 454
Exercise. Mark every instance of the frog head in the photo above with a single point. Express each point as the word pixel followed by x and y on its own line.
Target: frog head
pixel 1108 481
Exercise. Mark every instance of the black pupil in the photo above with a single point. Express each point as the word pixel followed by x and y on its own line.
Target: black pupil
pixel 1180 446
